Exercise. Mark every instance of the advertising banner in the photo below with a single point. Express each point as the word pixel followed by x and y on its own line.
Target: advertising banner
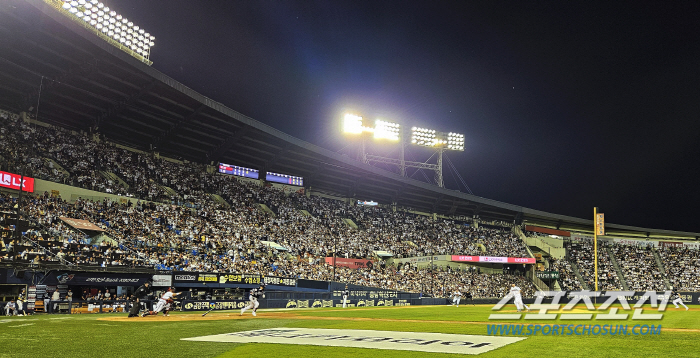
pixel 213 305
pixel 493 259
pixel 81 224
pixel 547 275
pixel 185 277
pixel 239 278
pixel 12 181
pixel 162 280
pixel 350 263
pixel 101 279
pixel 280 281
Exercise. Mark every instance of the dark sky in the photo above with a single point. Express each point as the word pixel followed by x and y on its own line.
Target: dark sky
pixel 564 105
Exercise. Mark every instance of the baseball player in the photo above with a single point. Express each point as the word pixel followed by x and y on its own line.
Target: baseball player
pixel 346 295
pixel 517 299
pixel 456 297
pixel 21 304
pixel 255 294
pixel 163 301
pixel 139 295
pixel 677 299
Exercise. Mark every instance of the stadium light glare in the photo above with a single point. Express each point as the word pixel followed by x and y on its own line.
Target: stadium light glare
pixel 352 124
pixel 102 19
pixel 432 138
pixel 386 130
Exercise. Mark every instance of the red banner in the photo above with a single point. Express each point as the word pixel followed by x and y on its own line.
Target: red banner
pixel 494 259
pixel 350 263
pixel 81 224
pixel 545 230
pixel 9 180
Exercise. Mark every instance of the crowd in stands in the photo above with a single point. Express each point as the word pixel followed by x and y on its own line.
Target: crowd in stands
pixel 180 225
pixel 581 252
pixel 638 266
pixel 568 281
pixel 682 266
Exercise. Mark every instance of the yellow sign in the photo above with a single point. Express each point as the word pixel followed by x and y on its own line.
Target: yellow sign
pixel 600 224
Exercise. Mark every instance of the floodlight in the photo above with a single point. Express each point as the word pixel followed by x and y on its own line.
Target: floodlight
pixel 81 2
pixel 66 5
pixel 386 130
pixel 72 10
pixel 352 124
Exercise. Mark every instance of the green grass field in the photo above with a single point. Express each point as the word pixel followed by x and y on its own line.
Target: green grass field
pixel 113 335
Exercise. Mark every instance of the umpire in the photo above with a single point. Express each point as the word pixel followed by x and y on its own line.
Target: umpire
pixel 139 296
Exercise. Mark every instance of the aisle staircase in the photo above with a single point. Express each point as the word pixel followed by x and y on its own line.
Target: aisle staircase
pixel 583 282
pixel 662 268
pixel 616 265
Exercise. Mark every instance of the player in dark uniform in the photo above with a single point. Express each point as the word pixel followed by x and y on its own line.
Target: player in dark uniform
pixel 139 295
pixel 22 304
pixel 468 296
pixel 255 295
pixel 346 296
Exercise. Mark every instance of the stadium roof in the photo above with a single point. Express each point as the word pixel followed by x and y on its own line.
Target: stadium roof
pixel 90 85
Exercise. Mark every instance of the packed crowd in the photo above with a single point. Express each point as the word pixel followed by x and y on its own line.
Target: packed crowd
pixel 682 267
pixel 568 281
pixel 638 267
pixel 581 252
pixel 192 231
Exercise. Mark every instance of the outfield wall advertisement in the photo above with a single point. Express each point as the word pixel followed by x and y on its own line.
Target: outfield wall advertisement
pixel 494 259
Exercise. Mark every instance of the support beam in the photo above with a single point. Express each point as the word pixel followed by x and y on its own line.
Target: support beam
pixel 226 144
pixel 117 108
pixel 29 99
pixel 169 133
pixel 275 158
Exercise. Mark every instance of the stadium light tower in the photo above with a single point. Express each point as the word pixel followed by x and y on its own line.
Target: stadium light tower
pixel 382 130
pixel 108 25
pixel 441 141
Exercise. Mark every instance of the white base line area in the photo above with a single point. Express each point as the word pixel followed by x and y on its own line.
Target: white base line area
pixel 405 341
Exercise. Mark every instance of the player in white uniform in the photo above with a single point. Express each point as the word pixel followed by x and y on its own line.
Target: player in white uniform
pixel 517 299
pixel 163 302
pixel 346 295
pixel 456 297
pixel 678 300
pixel 255 294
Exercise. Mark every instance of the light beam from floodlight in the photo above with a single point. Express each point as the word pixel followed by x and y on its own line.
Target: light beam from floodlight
pixel 352 124
pixel 386 130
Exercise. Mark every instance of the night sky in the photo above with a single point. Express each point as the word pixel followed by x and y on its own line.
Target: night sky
pixel 564 105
